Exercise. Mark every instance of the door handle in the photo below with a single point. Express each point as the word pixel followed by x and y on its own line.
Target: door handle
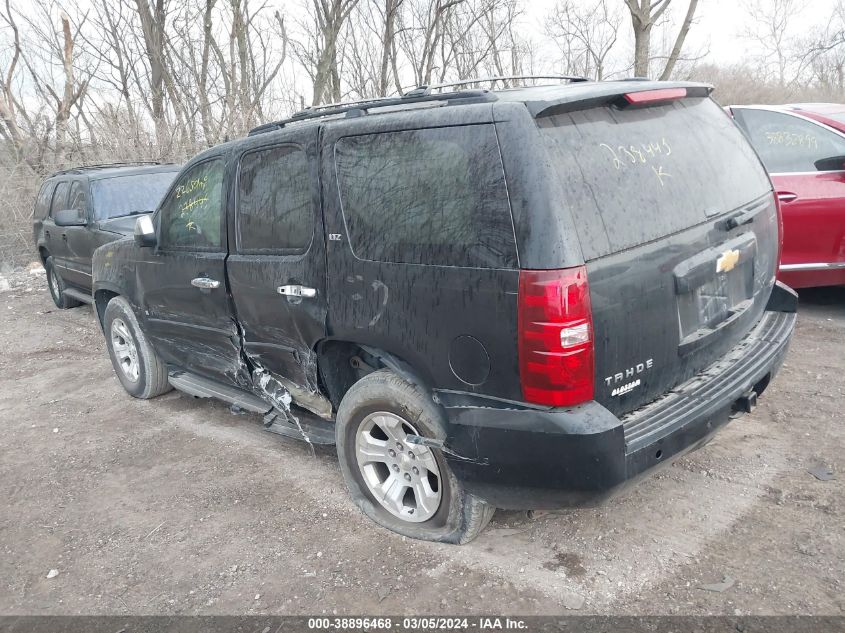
pixel 297 291
pixel 64 236
pixel 787 196
pixel 205 283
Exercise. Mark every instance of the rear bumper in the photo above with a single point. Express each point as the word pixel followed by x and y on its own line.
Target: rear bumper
pixel 521 458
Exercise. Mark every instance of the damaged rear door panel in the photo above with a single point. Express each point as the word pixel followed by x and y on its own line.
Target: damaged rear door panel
pixel 277 262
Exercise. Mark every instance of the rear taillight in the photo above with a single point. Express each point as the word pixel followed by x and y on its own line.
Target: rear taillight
pixel 555 337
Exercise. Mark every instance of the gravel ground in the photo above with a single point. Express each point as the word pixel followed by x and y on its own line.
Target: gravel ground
pixel 178 506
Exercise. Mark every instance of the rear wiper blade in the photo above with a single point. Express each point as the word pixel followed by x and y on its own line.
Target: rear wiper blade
pixel 740 219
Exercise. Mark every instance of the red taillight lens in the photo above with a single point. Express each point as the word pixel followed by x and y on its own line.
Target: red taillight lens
pixel 555 337
pixel 651 97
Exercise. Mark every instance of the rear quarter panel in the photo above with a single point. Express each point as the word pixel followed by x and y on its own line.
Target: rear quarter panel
pixel 438 319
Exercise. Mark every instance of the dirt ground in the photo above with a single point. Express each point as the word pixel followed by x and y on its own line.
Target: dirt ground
pixel 178 506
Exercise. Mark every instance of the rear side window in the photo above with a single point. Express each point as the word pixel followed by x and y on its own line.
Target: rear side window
pixel 275 205
pixel 787 143
pixel 433 196
pixel 42 202
pixel 191 216
pixel 633 176
pixel 59 198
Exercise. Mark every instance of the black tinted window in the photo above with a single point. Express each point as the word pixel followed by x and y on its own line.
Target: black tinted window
pixel 275 211
pixel 434 196
pixel 633 176
pixel 77 198
pixel 191 217
pixel 787 143
pixel 120 196
pixel 59 198
pixel 42 202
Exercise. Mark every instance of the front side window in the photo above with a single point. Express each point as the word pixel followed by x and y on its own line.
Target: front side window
pixel 59 198
pixel 77 198
pixel 433 196
pixel 788 143
pixel 275 208
pixel 191 216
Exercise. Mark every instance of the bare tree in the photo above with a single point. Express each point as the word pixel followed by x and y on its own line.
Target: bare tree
pixel 318 49
pixel 585 35
pixel 421 36
pixel 645 14
pixel 771 31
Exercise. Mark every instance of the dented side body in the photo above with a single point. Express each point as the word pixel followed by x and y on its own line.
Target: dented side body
pixel 299 326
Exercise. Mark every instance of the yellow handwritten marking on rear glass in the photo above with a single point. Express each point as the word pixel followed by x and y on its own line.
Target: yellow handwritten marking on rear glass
pixel 727 261
pixel 642 154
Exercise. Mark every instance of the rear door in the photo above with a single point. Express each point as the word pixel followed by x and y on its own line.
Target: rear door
pixel 806 161
pixel 277 264
pixel 678 227
pixel 182 282
pixel 57 246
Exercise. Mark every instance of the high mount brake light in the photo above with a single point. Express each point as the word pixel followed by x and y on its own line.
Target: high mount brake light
pixel 556 354
pixel 651 97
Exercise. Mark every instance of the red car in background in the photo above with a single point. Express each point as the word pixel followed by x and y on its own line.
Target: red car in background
pixel 803 149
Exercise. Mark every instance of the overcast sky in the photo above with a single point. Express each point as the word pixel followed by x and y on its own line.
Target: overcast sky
pixel 718 26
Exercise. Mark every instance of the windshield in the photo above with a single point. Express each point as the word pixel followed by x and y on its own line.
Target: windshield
pixel 633 176
pixel 127 195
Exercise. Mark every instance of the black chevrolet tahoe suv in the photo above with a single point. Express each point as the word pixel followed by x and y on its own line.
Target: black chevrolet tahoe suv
pixel 522 298
pixel 80 209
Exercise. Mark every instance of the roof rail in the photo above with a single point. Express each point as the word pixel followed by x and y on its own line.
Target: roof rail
pixel 416 95
pixel 503 78
pixel 354 108
pixel 129 163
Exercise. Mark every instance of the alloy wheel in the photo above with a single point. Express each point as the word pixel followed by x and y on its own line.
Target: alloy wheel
pixel 124 350
pixel 403 477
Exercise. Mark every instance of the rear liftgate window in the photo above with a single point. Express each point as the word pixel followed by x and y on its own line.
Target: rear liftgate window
pixel 434 196
pixel 634 176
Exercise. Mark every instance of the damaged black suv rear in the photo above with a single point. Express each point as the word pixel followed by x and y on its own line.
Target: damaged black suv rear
pixel 519 299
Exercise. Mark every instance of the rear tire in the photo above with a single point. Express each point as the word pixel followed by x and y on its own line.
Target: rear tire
pixel 138 367
pixel 421 497
pixel 57 287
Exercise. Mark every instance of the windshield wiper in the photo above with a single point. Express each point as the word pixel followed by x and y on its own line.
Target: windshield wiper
pixel 135 212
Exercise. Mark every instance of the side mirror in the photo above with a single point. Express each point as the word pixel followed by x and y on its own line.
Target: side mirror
pixel 69 217
pixel 145 231
pixel 834 163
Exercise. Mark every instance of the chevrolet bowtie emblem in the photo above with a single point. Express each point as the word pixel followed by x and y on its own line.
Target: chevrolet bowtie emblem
pixel 727 261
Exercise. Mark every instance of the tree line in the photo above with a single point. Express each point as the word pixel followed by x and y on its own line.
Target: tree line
pixel 163 78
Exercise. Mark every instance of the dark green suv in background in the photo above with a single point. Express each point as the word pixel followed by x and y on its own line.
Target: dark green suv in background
pixel 80 209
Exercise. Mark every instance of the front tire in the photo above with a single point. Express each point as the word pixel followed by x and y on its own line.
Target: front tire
pixel 57 287
pixel 138 367
pixel 405 487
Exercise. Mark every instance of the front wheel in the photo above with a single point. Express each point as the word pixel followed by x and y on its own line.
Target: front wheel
pixel 403 486
pixel 138 367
